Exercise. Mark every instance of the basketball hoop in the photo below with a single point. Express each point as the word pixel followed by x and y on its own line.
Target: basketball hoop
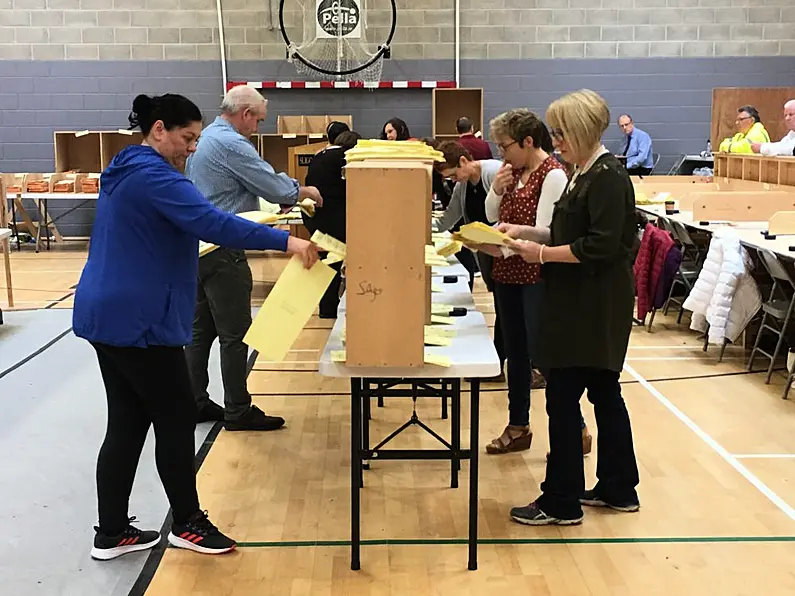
pixel 341 40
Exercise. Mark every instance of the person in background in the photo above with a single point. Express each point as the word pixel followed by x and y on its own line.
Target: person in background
pixel 637 151
pixel 134 303
pixel 524 191
pixel 325 173
pixel 785 146
pixel 586 255
pixel 473 179
pixel 227 169
pixel 439 187
pixel 477 148
pixel 334 129
pixel 749 130
pixel 395 130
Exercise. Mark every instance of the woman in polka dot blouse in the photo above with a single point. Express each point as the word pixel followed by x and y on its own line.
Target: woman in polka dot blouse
pixel 524 192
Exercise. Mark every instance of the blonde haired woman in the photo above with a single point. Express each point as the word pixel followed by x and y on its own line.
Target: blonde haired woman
pixel 586 257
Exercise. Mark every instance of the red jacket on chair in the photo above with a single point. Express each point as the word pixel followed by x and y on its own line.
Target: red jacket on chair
pixel 649 266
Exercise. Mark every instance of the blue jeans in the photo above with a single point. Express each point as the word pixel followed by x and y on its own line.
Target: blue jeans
pixel 519 306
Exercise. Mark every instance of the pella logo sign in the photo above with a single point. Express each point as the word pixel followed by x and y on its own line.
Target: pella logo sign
pixel 338 18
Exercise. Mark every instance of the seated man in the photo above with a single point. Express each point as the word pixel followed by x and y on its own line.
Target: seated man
pixel 749 130
pixel 785 146
pixel 640 161
pixel 477 148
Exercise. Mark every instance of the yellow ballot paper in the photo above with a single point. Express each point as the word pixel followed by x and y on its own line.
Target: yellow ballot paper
pixel 479 233
pixel 261 217
pixel 439 319
pixel 338 356
pixel 307 205
pixel 438 360
pixel 287 308
pixel 436 288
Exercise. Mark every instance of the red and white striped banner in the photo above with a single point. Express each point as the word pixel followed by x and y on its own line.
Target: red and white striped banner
pixel 345 84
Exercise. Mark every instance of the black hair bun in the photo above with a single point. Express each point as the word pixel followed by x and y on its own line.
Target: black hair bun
pixel 141 109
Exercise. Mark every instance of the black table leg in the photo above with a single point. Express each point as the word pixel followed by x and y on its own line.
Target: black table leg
pixel 366 394
pixel 356 470
pixel 473 473
pixel 14 223
pixel 445 385
pixel 455 430
pixel 47 222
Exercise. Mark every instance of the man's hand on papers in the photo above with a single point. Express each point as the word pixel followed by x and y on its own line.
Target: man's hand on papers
pixel 304 249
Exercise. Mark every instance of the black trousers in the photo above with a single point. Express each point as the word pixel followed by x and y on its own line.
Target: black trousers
pixel 467 259
pixel 330 301
pixel 145 387
pixel 223 310
pixel 616 469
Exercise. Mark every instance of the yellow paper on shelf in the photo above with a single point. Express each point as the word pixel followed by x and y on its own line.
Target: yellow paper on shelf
pixel 450 248
pixel 436 288
pixel 377 149
pixel 329 243
pixel 287 308
pixel 442 320
pixel 338 356
pixel 434 339
pixel 441 308
pixel 260 217
pixel 479 233
pixel 440 331
pixel 307 206
pixel 438 360
pixel 431 261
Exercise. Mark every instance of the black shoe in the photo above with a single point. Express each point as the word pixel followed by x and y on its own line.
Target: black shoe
pixel 210 412
pixel 255 419
pixel 129 541
pixel 591 499
pixel 327 315
pixel 200 535
pixel 531 515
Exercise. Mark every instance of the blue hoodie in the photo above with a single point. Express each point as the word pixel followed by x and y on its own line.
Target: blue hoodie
pixel 138 287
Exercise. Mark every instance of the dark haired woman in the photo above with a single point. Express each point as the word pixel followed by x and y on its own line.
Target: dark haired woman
pixel 395 130
pixel 523 192
pixel 325 173
pixel 134 304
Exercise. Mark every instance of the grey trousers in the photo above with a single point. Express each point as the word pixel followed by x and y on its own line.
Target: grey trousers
pixel 223 310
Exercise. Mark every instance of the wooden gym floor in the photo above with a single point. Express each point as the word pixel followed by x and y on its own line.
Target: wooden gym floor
pixel 715 447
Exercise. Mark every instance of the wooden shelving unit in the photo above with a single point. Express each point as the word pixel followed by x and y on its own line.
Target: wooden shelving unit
pixel 388 298
pixel 89 151
pixel 756 168
pixel 451 104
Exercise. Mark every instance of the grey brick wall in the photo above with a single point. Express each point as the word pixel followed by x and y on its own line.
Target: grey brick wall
pixel 187 29
pixel 670 98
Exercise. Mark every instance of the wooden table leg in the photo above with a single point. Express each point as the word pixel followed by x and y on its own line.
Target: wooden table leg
pixel 7 258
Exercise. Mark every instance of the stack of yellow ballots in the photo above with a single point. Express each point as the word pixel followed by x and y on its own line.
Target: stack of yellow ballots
pixel 479 233
pixel 375 149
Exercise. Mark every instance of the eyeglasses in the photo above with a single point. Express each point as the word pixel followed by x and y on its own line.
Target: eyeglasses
pixel 556 134
pixel 504 148
pixel 742 119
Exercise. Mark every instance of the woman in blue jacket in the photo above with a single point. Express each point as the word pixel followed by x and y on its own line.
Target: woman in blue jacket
pixel 134 304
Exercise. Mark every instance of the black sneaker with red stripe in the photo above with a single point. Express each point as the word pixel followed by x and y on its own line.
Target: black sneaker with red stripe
pixel 130 540
pixel 200 535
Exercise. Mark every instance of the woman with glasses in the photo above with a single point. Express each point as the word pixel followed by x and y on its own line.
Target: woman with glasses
pixel 586 255
pixel 749 130
pixel 523 192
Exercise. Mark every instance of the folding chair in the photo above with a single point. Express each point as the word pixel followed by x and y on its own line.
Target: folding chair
pixel 776 311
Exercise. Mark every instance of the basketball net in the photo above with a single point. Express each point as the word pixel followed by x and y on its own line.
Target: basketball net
pixel 335 39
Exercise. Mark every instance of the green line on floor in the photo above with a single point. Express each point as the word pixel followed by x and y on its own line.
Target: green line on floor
pixel 453 541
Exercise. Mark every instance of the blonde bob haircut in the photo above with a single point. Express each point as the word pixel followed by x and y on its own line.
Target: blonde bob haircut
pixel 582 117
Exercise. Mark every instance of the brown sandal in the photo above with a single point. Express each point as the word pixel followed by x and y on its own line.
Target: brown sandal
pixel 508 443
pixel 587 442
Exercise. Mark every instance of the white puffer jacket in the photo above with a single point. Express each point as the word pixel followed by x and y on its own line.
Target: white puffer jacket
pixel 725 296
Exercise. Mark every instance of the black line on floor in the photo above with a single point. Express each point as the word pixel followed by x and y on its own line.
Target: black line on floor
pixel 152 563
pixel 35 353
pixel 61 299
